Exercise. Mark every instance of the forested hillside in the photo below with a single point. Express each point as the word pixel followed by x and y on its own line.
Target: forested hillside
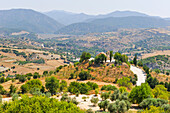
pixel 161 62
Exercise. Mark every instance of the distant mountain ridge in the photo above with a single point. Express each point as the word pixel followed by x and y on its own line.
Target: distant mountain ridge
pixel 112 23
pixel 62 22
pixel 82 23
pixel 68 18
pixel 131 22
pixel 122 14
pixel 29 20
pixel 84 28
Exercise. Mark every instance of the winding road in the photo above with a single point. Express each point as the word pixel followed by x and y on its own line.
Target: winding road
pixel 140 74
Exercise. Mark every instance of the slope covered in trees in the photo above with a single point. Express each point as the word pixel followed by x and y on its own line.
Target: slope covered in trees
pixel 38 104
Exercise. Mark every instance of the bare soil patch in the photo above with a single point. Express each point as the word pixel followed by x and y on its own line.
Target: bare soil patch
pixel 166 52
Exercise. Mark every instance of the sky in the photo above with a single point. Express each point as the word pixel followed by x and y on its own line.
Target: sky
pixel 151 7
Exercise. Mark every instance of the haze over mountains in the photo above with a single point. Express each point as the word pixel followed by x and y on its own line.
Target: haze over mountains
pixel 62 22
pixel 67 18
pixel 27 19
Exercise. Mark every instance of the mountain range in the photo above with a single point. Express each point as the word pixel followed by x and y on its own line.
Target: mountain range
pixel 68 18
pixel 62 22
pixel 27 19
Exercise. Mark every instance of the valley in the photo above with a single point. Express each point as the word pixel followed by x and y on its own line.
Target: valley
pixel 64 62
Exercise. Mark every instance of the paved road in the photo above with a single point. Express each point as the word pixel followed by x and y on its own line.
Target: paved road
pixel 8 99
pixel 140 74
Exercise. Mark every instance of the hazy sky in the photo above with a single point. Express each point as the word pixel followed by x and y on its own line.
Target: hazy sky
pixel 151 7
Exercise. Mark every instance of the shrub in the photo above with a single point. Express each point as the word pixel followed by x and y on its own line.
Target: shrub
pixel 29 78
pixel 31 84
pixel 122 89
pixel 108 88
pixel 71 76
pixel 152 102
pixel 77 68
pixel 15 96
pixel 140 63
pixel 36 75
pixel 92 85
pixel 121 72
pixel 146 69
pixel 84 75
pixel 59 68
pixel 29 74
pixel 90 63
pixel 45 72
pixel 77 94
pixel 51 72
pixel 103 104
pixel 112 108
pixel 39 104
pixel 42 89
pixel 123 106
pixel 113 65
pixel 120 58
pixel 52 84
pixel 166 107
pixel 84 98
pixel 96 92
pixel 64 97
pixel 75 87
pixel 153 109
pixel 100 59
pixel 94 100
pixel 139 93
pixel 63 85
pixel 152 82
pixel 35 91
pixel 160 92
pixel 89 68
pixel 22 78
pixel 74 101
pixel 12 89
pixel 85 56
pixel 76 63
pixel 1 99
pixel 89 111
pixel 121 103
pixel 125 81
pixel 157 71
pixel 105 95
pixel 115 95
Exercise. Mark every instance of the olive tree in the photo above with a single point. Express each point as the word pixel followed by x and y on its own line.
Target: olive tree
pixel 15 96
pixel 139 93
pixel 119 106
pixel 52 84
pixel 84 75
pixel 112 108
pixel 103 104
pixel 105 95
pixel 115 95
pixel 1 98
pixel 94 100
pixel 152 102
